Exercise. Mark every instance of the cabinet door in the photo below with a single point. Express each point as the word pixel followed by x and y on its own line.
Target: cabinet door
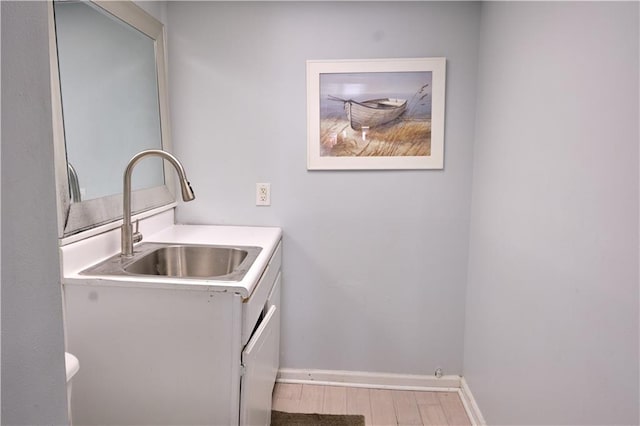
pixel 260 360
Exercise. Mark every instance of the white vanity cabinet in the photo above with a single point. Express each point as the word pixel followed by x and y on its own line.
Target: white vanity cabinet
pixel 174 354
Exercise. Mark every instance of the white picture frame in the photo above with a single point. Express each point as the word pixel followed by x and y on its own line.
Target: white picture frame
pixel 369 114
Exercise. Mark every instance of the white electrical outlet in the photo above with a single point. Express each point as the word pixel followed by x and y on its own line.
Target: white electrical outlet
pixel 263 194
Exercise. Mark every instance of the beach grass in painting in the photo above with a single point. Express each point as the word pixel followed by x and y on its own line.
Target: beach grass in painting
pixel 400 138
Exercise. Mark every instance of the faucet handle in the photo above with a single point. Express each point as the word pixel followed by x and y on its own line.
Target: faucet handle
pixel 137 236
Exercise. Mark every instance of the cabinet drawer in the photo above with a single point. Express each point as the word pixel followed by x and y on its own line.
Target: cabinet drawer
pixel 260 360
pixel 274 296
pixel 253 307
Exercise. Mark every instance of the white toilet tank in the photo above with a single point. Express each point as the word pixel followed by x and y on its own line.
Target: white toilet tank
pixel 72 365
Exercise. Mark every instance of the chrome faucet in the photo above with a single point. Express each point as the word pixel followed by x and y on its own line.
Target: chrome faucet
pixel 128 236
pixel 74 184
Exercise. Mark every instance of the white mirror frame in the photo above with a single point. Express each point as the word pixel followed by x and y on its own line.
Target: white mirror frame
pixel 77 217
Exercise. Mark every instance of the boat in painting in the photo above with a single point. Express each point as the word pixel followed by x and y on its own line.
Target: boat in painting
pixel 374 112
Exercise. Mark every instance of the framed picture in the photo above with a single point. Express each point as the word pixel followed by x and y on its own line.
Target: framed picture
pixel 375 114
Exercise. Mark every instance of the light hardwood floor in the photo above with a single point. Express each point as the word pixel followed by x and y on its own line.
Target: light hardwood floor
pixel 380 407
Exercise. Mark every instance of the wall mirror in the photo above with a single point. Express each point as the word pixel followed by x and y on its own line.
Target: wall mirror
pixel 110 102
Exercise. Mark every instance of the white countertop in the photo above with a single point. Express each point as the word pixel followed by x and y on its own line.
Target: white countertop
pixel 79 255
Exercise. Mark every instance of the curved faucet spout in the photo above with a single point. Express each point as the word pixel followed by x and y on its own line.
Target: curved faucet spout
pixel 128 236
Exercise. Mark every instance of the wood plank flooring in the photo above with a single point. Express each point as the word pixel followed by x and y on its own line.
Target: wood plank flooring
pixel 380 407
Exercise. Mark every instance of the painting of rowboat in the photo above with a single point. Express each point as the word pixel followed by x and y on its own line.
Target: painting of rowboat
pixel 372 113
pixel 376 115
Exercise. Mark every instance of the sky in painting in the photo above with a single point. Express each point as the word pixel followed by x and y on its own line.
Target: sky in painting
pixel 372 85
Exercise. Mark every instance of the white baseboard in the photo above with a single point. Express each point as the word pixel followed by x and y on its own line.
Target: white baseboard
pixel 371 380
pixel 363 379
pixel 470 404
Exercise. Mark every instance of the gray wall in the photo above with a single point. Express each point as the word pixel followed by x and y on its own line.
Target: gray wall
pixel 33 373
pixel 0 233
pixel 552 300
pixel 374 262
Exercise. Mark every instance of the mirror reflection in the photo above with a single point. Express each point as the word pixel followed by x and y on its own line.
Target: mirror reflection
pixel 110 105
